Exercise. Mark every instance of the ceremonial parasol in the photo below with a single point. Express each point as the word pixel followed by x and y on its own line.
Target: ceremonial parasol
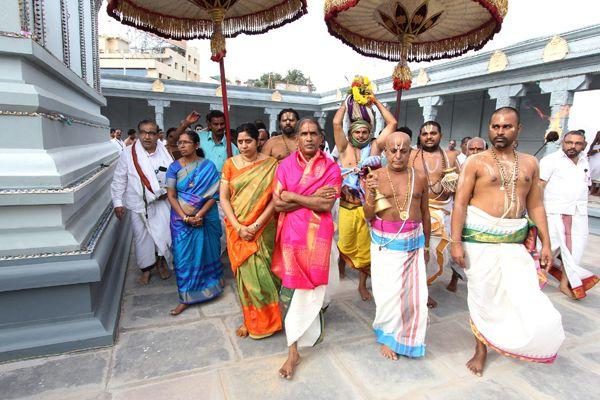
pixel 413 30
pixel 202 19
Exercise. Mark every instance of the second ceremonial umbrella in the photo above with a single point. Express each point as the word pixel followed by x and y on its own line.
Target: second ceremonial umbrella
pixel 413 30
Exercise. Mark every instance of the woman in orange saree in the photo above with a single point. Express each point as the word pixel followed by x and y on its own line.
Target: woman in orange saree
pixel 246 199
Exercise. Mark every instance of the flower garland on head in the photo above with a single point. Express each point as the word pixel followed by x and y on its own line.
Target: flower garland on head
pixel 361 90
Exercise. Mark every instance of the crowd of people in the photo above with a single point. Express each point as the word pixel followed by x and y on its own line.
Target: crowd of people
pixel 288 212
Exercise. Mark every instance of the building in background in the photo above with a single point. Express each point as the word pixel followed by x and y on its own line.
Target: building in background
pixel 163 60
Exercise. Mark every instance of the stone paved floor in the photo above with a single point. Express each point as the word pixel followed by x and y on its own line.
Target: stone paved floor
pixel 198 356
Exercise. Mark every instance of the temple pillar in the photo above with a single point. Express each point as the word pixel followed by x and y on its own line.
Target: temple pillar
pixel 159 111
pixel 430 107
pixel 321 117
pixel 272 113
pixel 562 92
pixel 507 96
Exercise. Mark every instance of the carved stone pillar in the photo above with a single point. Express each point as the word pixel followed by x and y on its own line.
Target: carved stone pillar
pixel 272 113
pixel 562 92
pixel 507 96
pixel 430 107
pixel 159 110
pixel 321 117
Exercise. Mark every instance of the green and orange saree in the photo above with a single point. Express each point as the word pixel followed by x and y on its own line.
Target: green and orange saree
pixel 250 193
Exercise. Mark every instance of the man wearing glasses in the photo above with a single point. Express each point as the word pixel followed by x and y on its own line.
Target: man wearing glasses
pixel 139 186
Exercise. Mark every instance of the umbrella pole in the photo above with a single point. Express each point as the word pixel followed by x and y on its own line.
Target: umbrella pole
pixel 398 99
pixel 225 106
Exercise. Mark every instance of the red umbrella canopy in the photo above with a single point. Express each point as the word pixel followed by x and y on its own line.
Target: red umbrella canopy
pixel 414 30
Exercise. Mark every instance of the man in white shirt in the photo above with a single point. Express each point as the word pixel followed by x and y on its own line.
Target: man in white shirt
pixel 139 186
pixel 462 157
pixel 115 135
pixel 565 177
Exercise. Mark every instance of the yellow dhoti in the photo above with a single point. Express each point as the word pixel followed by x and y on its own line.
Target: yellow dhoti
pixel 354 239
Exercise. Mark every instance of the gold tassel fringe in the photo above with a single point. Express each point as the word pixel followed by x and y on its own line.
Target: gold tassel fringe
pixel 181 28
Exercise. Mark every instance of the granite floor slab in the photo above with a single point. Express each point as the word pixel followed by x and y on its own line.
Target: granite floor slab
pixel 198 356
pixel 55 377
pixel 155 353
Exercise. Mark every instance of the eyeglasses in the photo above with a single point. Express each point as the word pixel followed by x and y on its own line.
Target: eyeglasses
pixel 151 133
pixel 184 142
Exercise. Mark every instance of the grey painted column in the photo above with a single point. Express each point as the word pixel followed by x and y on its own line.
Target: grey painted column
pixel 272 113
pixel 321 117
pixel 507 96
pixel 562 92
pixel 159 110
pixel 430 107
pixel 63 253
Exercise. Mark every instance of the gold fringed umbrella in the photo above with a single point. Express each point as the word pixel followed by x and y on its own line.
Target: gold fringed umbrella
pixel 413 30
pixel 203 19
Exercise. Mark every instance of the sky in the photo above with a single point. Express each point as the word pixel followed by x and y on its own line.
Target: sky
pixel 306 45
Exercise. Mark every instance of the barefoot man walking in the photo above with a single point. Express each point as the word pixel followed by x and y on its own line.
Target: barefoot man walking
pixel 306 185
pixel 435 163
pixel 354 148
pixel 399 251
pixel 508 310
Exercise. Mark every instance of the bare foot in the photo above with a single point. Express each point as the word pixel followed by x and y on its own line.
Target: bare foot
pixel 144 279
pixel 475 364
pixel 365 295
pixel 242 331
pixel 431 303
pixel 566 291
pixel 163 271
pixel 453 285
pixel 388 353
pixel 287 369
pixel 179 309
pixel 342 267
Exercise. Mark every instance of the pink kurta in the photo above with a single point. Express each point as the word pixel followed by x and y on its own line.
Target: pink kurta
pixel 303 242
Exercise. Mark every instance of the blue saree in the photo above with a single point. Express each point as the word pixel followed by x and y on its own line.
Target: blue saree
pixel 196 250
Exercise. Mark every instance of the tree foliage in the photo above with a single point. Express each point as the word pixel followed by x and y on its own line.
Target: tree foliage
pixel 293 76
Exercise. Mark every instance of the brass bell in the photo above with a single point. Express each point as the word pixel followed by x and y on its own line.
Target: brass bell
pixel 381 203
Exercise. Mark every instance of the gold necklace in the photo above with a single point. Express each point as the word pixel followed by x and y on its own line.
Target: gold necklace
pixel 426 169
pixel 507 180
pixel 403 213
pixel 247 163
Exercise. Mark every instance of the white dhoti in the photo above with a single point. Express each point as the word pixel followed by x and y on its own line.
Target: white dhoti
pixel 509 312
pixel 334 274
pixel 568 236
pixel 152 235
pixel 399 279
pixel 440 212
pixel 303 315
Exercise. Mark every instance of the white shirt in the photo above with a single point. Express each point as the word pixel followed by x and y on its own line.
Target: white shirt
pixel 461 158
pixel 567 184
pixel 122 193
pixel 118 143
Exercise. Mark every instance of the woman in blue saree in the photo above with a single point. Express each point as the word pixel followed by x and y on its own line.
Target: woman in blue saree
pixel 192 189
